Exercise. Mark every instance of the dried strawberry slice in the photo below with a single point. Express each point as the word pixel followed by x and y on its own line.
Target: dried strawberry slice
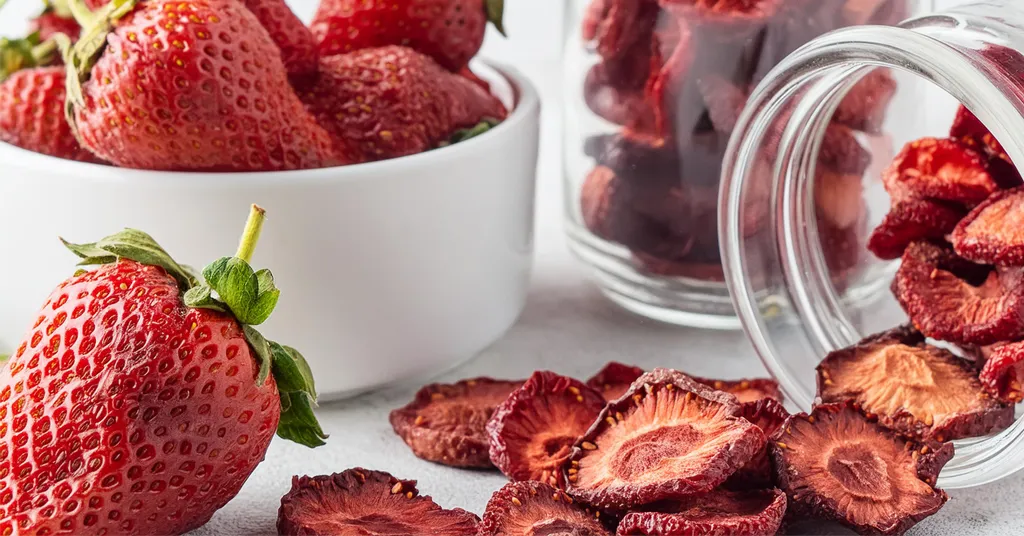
pixel 614 380
pixel 669 437
pixel 768 414
pixel 917 389
pixel 944 298
pixel 945 169
pixel 359 501
pixel 835 464
pixel 864 107
pixel 745 513
pixel 596 12
pixel 968 129
pixel 626 23
pixel 616 101
pixel 533 431
pixel 732 20
pixel 445 423
pixel 535 508
pixel 992 233
pixel 745 390
pixel 910 220
pixel 724 101
pixel 1003 372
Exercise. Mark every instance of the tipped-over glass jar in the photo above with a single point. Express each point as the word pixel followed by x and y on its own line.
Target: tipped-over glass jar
pixel 934 206
pixel 653 92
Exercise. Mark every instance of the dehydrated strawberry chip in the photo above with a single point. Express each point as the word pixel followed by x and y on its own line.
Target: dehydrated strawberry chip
pixel 944 298
pixel 918 389
pixel 968 129
pixel 750 390
pixel 592 18
pixel 910 220
pixel 668 438
pixel 535 508
pixel 768 414
pixel 945 169
pixel 835 464
pixel 745 513
pixel 724 20
pixel 724 101
pixel 841 152
pixel 614 380
pixel 532 433
pixel 359 501
pixel 864 107
pixel 626 23
pixel 993 233
pixel 1003 372
pixel 445 423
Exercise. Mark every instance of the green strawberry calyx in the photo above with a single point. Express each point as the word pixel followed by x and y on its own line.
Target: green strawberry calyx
pixel 496 14
pixel 464 134
pixel 25 53
pixel 230 285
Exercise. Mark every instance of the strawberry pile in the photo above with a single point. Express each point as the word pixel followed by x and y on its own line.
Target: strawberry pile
pixel 143 395
pixel 670 80
pixel 630 452
pixel 225 86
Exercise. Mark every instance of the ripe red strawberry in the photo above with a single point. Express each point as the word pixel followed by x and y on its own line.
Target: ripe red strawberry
pixel 450 31
pixel 32 101
pixel 190 85
pixel 53 21
pixel 298 47
pixel 125 410
pixel 393 101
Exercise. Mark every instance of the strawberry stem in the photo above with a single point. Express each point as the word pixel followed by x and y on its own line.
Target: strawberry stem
pixel 251 235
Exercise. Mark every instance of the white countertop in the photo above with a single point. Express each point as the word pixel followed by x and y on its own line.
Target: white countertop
pixel 568 327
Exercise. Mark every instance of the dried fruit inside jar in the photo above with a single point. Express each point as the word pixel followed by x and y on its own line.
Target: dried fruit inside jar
pixel 668 438
pixel 671 78
pixel 913 387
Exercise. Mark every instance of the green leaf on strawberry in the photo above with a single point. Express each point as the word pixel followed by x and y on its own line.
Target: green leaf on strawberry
pixel 24 53
pixel 232 287
pixel 495 14
pixel 298 396
pixel 464 134
pixel 135 245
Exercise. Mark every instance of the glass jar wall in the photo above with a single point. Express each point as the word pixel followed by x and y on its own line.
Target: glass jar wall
pixel 653 92
pixel 967 67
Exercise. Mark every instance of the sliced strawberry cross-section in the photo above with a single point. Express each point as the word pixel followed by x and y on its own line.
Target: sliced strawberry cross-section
pixel 669 437
pixel 537 508
pixel 968 129
pixel 1003 372
pixel 953 300
pixel 768 414
pixel 910 220
pixel 945 169
pixel 614 380
pixel 359 501
pixel 993 233
pixel 912 387
pixel 746 513
pixel 745 390
pixel 533 431
pixel 445 423
pixel 835 464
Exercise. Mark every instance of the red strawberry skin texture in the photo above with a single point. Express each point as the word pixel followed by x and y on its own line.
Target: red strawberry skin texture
pixel 393 101
pixel 450 31
pixel 298 47
pixel 32 114
pixel 196 85
pixel 125 412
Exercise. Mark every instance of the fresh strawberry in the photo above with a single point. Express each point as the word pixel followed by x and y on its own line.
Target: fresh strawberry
pixel 135 407
pixel 32 101
pixel 55 19
pixel 298 47
pixel 450 31
pixel 188 85
pixel 393 101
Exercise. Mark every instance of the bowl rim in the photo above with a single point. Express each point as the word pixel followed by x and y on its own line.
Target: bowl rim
pixel 526 105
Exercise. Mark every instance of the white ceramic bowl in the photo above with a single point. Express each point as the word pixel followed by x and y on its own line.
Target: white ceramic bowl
pixel 389 271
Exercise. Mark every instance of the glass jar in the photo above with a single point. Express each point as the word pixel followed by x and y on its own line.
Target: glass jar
pixel 790 303
pixel 653 89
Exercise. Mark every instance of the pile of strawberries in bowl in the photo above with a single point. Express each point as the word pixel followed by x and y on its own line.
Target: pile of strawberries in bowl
pixel 212 85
